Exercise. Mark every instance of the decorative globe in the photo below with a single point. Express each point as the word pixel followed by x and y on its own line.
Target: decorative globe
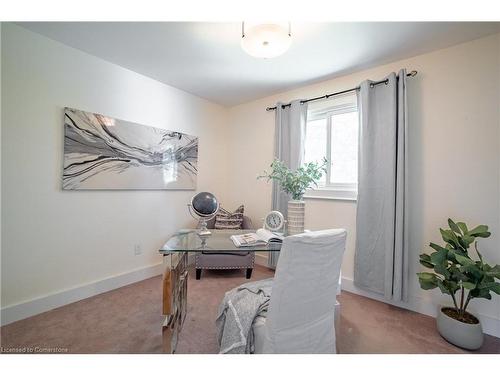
pixel 204 204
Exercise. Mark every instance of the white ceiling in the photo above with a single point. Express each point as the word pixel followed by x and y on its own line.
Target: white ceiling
pixel 205 59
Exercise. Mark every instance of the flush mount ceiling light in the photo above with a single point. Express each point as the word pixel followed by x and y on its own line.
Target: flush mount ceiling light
pixel 266 40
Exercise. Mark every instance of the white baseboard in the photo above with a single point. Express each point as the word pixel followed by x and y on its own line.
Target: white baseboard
pixel 12 313
pixel 490 325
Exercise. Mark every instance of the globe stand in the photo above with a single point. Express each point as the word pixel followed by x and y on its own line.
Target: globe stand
pixel 203 231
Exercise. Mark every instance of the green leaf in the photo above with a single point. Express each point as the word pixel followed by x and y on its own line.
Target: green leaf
pixel 426 264
pixel 436 247
pixel 446 235
pixel 451 256
pixel 463 243
pixel 480 293
pixel 443 288
pixel 451 285
pixel 480 229
pixel 483 234
pixel 425 257
pixel 440 269
pixel 454 227
pixel 468 285
pixel 456 273
pixel 487 279
pixel 494 287
pixel 464 261
pixel 494 271
pixel 450 237
pixel 439 257
pixel 426 276
pixel 426 285
pixel 463 227
pixel 427 280
pixel 468 240
pixel 472 270
pixel 425 260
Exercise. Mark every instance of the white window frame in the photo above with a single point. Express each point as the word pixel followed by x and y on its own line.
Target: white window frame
pixel 337 191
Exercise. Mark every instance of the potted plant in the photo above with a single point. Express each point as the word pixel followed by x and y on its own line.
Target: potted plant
pixel 457 274
pixel 295 183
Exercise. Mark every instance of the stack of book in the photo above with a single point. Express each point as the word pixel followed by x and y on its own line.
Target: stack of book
pixel 261 237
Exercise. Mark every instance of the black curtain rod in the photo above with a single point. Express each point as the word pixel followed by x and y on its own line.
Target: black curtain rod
pixel 413 73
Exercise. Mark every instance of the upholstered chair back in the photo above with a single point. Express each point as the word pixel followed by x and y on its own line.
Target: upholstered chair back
pixel 301 310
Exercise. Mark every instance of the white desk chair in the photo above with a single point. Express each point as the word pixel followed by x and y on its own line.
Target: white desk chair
pixel 301 310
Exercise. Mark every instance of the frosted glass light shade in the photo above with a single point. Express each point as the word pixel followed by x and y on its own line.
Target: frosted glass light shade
pixel 266 40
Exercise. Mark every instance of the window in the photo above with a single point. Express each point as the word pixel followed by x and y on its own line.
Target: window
pixel 332 132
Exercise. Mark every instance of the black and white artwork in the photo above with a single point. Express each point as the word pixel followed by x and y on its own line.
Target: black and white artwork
pixel 101 152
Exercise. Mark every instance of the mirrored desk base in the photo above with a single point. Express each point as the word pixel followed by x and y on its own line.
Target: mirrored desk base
pixel 175 282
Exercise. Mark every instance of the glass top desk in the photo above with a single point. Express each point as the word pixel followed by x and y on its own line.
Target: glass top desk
pixel 175 262
pixel 219 241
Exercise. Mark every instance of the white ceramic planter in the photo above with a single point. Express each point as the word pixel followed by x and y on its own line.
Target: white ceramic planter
pixel 295 219
pixel 464 335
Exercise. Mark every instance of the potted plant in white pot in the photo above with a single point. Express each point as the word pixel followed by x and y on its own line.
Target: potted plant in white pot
pixel 295 183
pixel 456 272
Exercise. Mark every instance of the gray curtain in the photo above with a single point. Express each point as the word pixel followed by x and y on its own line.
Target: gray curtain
pixel 289 137
pixel 381 257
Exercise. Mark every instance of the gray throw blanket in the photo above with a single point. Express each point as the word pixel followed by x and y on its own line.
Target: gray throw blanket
pixel 236 314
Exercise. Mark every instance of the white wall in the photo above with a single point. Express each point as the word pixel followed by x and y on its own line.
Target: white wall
pixel 55 240
pixel 454 156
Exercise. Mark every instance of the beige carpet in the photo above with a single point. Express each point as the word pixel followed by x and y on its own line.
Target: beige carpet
pixel 128 320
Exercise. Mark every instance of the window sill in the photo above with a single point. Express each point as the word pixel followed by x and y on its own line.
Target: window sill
pixel 326 194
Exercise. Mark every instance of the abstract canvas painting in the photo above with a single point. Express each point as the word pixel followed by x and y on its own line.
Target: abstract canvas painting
pixel 101 152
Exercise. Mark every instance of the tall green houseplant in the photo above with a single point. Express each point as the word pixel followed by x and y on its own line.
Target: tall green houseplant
pixel 456 272
pixel 296 182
